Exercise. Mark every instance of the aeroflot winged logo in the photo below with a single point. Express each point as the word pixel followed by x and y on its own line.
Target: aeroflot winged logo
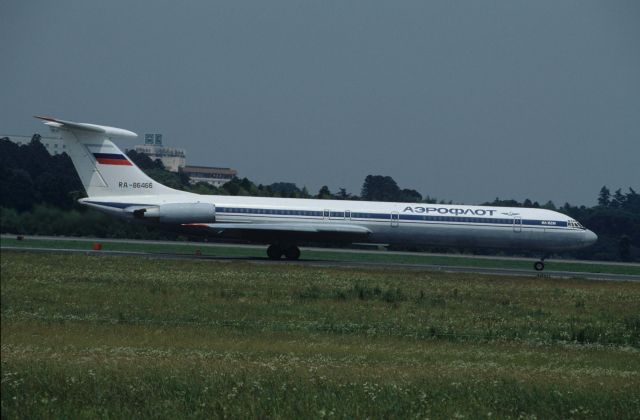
pixel 511 214
pixel 446 210
pixel 111 159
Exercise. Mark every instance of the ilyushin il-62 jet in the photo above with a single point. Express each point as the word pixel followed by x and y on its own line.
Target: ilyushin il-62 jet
pixel 115 185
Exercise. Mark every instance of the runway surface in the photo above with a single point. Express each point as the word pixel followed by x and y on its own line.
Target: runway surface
pixel 344 264
pixel 366 249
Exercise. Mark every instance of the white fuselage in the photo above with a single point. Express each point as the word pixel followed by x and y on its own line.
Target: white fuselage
pixel 389 223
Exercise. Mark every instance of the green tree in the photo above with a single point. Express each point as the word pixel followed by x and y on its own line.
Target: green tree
pixel 618 199
pixel 17 190
pixel 286 189
pixel 503 203
pixel 342 194
pixel 410 196
pixel 30 175
pixel 324 193
pixel 604 198
pixel 143 161
pixel 380 188
pixel 204 188
pixel 624 248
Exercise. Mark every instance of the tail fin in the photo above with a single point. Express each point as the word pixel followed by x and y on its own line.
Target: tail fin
pixel 103 168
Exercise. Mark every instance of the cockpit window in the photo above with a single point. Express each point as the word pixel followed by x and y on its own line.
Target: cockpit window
pixel 575 224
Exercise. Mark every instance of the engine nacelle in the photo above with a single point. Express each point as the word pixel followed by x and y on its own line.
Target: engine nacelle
pixel 175 213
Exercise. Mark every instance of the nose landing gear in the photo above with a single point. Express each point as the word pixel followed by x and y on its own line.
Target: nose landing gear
pixel 539 265
pixel 277 251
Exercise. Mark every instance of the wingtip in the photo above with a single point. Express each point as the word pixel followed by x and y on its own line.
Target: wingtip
pixel 45 118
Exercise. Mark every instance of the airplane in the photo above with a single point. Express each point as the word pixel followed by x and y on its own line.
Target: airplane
pixel 115 185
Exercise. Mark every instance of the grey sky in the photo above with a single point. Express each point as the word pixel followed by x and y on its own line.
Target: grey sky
pixel 461 100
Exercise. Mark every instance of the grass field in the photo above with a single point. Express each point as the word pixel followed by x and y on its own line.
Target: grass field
pixel 86 337
pixel 330 255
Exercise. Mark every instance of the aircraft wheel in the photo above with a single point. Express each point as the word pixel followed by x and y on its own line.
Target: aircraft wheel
pixel 274 252
pixel 538 265
pixel 292 253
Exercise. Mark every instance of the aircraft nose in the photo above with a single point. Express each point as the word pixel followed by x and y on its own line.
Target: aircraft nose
pixel 590 237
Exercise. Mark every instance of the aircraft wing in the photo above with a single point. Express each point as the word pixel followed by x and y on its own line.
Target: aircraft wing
pixel 284 231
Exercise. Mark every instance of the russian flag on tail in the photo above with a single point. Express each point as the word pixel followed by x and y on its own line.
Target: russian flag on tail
pixel 111 159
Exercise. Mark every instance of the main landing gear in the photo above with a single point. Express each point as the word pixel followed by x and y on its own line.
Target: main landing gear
pixel 277 251
pixel 539 265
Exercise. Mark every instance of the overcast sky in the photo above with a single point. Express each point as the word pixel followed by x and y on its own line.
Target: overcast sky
pixel 461 100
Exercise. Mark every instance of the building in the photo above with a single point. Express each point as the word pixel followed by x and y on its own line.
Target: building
pixel 172 158
pixel 54 145
pixel 213 176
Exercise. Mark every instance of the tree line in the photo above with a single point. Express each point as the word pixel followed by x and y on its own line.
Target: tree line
pixel 39 192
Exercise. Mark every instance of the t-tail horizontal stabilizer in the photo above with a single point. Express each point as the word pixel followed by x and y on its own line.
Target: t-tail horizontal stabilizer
pixel 93 128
